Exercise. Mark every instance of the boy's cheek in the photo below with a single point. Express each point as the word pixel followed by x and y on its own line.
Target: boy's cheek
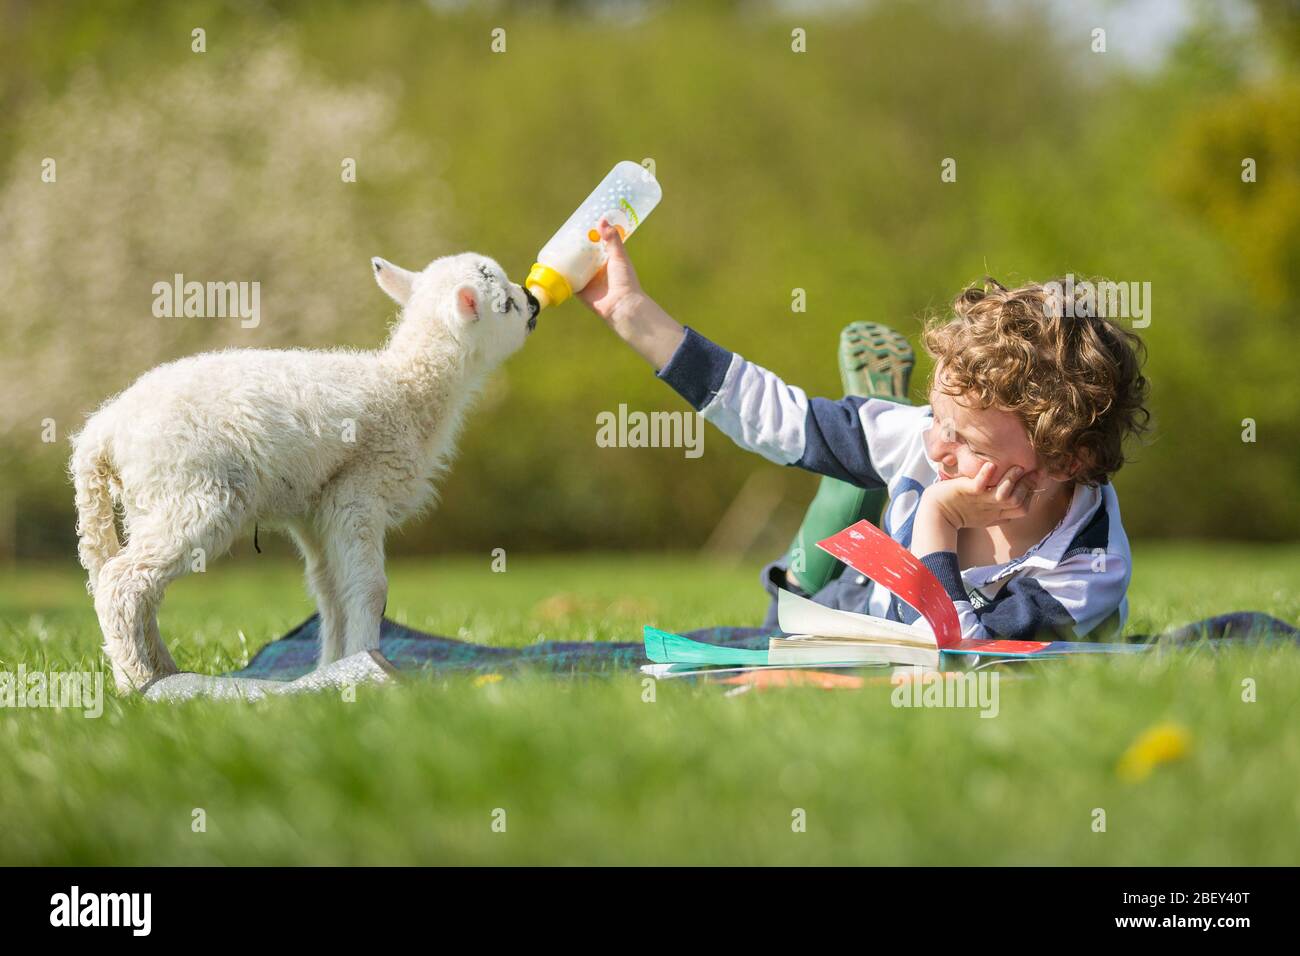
pixel 970 468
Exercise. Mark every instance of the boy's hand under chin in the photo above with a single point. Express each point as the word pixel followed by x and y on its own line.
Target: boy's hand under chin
pixel 979 502
pixel 955 503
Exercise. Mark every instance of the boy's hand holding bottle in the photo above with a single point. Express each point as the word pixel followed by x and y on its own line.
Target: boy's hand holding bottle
pixel 615 295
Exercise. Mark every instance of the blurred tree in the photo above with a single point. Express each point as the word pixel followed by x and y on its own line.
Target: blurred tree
pixel 227 169
pixel 817 171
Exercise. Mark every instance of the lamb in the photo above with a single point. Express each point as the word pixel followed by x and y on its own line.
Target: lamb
pixel 333 447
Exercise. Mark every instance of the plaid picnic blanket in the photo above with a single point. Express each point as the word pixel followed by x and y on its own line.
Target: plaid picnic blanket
pixel 294 655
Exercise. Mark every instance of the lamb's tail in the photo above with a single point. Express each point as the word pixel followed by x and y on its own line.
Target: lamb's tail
pixel 92 477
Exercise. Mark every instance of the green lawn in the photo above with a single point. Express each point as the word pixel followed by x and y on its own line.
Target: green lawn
pixel 588 772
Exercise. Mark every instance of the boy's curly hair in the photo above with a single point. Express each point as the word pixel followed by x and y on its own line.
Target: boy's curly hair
pixel 1074 380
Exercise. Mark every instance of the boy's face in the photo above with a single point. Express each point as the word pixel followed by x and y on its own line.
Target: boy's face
pixel 965 437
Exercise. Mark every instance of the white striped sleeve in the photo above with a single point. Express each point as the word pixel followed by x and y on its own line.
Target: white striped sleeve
pixel 762 414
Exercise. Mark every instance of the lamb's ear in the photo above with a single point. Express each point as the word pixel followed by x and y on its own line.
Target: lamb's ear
pixel 466 302
pixel 394 280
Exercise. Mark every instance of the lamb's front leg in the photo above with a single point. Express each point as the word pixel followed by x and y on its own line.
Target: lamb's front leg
pixel 354 551
pixel 321 585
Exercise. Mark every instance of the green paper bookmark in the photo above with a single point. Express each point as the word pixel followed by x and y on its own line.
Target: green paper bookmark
pixel 663 647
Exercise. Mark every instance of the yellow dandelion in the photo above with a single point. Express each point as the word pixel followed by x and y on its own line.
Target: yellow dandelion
pixel 1155 745
pixel 484 679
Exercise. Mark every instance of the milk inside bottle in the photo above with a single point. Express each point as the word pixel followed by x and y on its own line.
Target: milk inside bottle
pixel 575 253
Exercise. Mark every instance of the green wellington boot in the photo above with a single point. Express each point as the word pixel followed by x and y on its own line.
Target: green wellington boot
pixel 875 362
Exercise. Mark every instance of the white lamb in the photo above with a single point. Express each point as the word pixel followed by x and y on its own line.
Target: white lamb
pixel 334 447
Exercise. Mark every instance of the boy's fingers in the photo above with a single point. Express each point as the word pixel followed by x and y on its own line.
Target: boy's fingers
pixel 611 235
pixel 1007 487
pixel 613 243
pixel 984 476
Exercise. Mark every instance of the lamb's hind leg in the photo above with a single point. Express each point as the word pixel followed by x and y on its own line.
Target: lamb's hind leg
pixel 127 595
pixel 352 530
pixel 131 585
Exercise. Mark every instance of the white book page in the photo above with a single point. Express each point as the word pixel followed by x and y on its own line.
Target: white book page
pixel 793 653
pixel 798 615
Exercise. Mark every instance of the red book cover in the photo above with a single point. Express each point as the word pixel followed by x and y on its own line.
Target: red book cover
pixel 868 550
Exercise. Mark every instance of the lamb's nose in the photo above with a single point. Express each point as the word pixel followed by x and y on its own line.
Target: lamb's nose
pixel 533 305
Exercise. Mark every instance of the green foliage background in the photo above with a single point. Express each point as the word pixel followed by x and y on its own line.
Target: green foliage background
pixel 780 170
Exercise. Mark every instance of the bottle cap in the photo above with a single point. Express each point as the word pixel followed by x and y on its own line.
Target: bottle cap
pixel 550 282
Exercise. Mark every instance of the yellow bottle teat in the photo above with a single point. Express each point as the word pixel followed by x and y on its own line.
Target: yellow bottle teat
pixel 547 285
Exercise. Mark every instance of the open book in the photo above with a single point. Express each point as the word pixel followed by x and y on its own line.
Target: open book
pixel 823 635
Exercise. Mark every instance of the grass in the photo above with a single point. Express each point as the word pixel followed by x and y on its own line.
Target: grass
pixel 589 772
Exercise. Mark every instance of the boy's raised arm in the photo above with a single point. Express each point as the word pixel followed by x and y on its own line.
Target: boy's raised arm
pixel 751 405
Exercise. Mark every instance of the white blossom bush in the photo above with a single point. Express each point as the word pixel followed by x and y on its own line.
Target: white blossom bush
pixel 221 170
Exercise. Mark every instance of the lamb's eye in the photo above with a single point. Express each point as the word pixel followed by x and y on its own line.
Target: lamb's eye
pixel 511 304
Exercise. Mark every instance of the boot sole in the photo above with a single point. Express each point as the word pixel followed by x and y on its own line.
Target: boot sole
pixel 875 361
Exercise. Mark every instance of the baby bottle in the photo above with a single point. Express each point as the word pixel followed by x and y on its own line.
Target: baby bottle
pixel 575 253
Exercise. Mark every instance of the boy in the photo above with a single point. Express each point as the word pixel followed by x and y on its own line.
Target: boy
pixel 1000 485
